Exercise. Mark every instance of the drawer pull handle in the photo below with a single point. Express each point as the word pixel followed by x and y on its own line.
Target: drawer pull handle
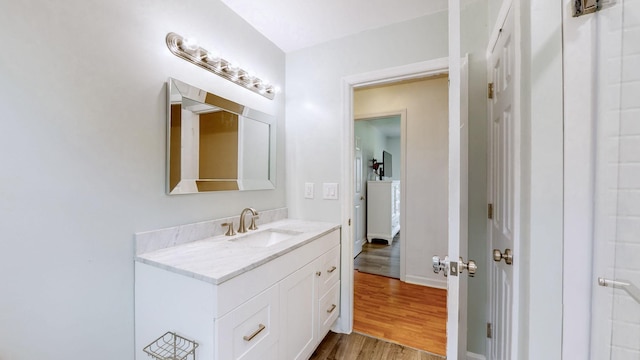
pixel 333 268
pixel 333 307
pixel 255 333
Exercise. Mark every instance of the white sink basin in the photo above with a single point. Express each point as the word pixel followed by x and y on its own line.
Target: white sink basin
pixel 266 238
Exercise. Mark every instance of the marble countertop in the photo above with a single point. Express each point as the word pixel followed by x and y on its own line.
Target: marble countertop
pixel 220 258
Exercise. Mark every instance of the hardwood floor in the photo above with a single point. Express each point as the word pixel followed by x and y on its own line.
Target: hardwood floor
pixel 380 258
pixel 360 347
pixel 408 314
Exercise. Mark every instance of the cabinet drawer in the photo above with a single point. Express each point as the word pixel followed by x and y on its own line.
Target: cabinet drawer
pixel 329 270
pixel 328 309
pixel 251 330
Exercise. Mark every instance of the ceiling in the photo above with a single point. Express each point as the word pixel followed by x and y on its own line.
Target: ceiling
pixel 297 24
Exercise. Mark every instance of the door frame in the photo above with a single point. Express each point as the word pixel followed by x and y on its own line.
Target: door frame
pixel 403 166
pixel 349 83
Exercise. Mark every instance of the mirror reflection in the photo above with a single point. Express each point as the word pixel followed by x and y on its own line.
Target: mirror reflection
pixel 214 144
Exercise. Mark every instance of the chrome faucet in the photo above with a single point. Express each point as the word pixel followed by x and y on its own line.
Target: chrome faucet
pixel 254 215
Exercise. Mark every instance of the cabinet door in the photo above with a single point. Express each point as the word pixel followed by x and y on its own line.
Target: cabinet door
pixel 250 332
pixel 298 302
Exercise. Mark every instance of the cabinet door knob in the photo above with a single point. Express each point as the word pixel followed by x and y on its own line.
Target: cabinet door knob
pixel 318 273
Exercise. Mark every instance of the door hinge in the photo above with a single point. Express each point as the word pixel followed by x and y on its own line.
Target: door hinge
pixel 349 222
pixel 490 211
pixel 489 331
pixel 490 91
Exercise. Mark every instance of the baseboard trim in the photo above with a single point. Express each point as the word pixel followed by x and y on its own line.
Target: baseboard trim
pixel 421 280
pixel 472 356
pixel 358 245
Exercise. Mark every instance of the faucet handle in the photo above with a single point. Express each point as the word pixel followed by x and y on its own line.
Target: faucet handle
pixel 230 230
pixel 253 222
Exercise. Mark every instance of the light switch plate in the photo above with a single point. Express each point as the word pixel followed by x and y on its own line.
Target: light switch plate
pixel 330 191
pixel 308 190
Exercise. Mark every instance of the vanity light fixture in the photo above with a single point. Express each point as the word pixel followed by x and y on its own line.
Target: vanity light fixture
pixel 188 49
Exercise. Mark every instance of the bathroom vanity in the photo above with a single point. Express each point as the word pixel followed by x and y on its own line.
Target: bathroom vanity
pixel 271 293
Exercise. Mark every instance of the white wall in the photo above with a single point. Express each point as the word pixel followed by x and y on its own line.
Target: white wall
pixel 372 142
pixel 542 173
pixel 314 100
pixel 579 44
pixel 426 181
pixel 82 149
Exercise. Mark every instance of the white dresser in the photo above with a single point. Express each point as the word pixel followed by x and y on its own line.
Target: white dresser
pixel 383 210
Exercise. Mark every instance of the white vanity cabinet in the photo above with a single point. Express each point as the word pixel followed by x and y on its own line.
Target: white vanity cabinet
pixel 383 210
pixel 280 309
pixel 310 305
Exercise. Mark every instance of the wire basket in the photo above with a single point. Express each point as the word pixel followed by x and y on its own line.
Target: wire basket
pixel 172 346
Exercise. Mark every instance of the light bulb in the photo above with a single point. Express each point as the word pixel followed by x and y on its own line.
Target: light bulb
pixel 247 75
pixel 233 67
pixel 189 44
pixel 212 57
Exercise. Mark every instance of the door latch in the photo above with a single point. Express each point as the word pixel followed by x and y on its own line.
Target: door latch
pixel 453 267
pixel 470 266
pixel 440 265
pixel 507 255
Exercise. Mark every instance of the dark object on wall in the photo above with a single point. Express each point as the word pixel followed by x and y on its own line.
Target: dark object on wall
pixel 386 165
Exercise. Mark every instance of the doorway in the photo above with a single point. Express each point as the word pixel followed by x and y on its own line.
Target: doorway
pixel 377 204
pixel 421 172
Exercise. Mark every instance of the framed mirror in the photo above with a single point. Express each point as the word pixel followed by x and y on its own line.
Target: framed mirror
pixel 214 144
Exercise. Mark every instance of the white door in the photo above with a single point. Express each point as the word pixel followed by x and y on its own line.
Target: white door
pixel 358 200
pixel 501 191
pixel 456 267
